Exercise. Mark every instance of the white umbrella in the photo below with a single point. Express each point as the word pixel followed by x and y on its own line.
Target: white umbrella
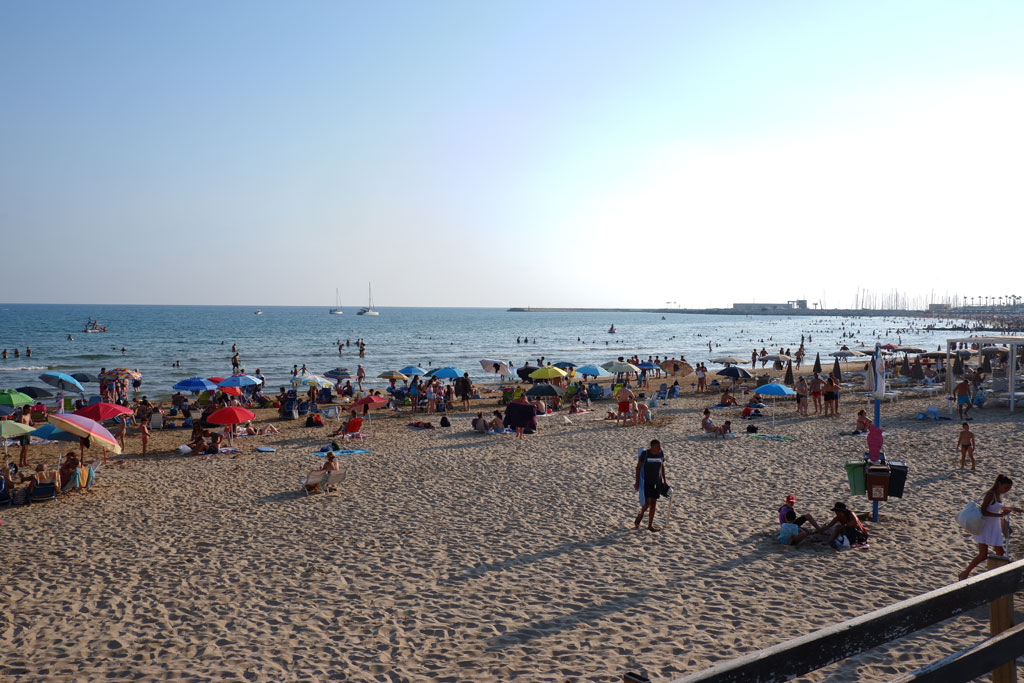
pixel 311 380
pixel 496 366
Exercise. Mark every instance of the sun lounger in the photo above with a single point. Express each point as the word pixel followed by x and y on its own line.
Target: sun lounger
pixel 321 481
pixel 330 412
pixel 46 490
pixel 156 421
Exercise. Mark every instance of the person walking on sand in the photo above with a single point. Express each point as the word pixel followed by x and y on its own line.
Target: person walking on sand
pixel 991 534
pixel 649 481
pixel 965 441
pixel 962 394
pixel 360 376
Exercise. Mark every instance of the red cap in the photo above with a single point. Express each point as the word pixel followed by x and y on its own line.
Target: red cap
pixel 791 498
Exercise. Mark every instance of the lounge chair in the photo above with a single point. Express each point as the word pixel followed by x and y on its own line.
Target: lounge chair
pixel 353 426
pixel 156 421
pixel 662 392
pixel 320 481
pixel 45 490
pixel 290 412
pixel 330 412
pixel 303 408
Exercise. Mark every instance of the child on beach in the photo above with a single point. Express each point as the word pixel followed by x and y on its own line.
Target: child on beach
pixel 789 531
pixel 965 441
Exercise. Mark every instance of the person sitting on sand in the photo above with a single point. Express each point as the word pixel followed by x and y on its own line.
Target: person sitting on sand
pixel 69 466
pixel 847 524
pixel 790 506
pixel 863 422
pixel 538 405
pixel 727 399
pixel 479 424
pixel 706 424
pixel 965 442
pixel 724 430
pixel 330 464
pixel 213 448
pixel 496 424
pixel 643 413
pixel 789 530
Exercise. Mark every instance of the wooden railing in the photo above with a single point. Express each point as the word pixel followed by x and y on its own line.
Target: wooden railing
pixel 813 651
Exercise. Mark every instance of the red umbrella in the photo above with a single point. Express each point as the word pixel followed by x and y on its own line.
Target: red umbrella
pixel 374 401
pixel 230 416
pixel 216 380
pixel 234 391
pixel 103 411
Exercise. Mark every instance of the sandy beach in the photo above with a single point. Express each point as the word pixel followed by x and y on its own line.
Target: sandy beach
pixel 453 556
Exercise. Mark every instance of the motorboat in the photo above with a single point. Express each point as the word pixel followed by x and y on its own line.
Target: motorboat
pixel 94 326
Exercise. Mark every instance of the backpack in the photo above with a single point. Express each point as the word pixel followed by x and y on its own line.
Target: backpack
pixel 751 429
pixel 445 422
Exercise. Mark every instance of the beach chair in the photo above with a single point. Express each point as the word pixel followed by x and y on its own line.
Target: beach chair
pixel 506 397
pixel 290 411
pixel 303 408
pixel 675 391
pixel 330 412
pixel 662 392
pixel 324 396
pixel 594 392
pixel 73 483
pixel 353 426
pixel 322 482
pixel 156 421
pixel 39 413
pixel 43 491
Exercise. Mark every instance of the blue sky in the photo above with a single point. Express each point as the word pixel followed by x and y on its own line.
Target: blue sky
pixel 503 154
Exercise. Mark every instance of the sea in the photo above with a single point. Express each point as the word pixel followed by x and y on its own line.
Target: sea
pixel 152 339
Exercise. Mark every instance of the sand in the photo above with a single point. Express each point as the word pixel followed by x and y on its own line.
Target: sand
pixel 453 556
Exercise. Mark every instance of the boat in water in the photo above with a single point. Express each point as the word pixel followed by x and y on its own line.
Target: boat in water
pixel 94 326
pixel 368 309
pixel 612 330
pixel 258 311
pixel 337 310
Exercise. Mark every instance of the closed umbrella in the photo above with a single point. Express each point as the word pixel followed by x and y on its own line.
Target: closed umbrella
pixel 917 372
pixel 592 371
pixel 775 389
pixel 87 428
pixel 958 366
pixel 545 390
pixel 789 374
pixel 548 372
pixel 905 367
pixel 817 363
pixel 836 371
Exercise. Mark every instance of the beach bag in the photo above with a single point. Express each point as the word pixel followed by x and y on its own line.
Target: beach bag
pixel 751 429
pixel 970 518
pixel 445 422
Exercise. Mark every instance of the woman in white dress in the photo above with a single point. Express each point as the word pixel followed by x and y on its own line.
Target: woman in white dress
pixel 991 533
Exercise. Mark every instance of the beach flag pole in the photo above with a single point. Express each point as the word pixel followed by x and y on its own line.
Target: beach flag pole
pixel 878 368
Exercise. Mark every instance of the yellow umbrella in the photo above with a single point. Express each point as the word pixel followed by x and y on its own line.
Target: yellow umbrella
pixel 392 374
pixel 547 372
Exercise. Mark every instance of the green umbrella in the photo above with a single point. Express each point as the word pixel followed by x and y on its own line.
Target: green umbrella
pixel 14 398
pixel 10 428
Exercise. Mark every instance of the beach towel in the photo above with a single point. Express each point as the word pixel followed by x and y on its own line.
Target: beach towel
pixel 265 449
pixel 350 451
pixel 501 431
pixel 772 437
pixel 357 435
pixel 228 450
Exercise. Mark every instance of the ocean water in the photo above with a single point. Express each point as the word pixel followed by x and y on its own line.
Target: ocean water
pixel 200 337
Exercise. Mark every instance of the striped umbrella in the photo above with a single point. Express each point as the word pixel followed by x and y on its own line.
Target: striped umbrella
pixel 312 381
pixel 339 373
pixel 676 367
pixel 119 374
pixel 392 374
pixel 83 426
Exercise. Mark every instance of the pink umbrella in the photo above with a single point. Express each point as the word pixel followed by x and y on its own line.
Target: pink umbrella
pixel 373 401
pixel 103 411
pixel 85 427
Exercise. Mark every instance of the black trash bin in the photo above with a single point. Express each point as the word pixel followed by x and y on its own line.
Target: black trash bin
pixel 897 478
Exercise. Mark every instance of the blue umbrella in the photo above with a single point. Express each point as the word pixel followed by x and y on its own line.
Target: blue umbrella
pixel 449 372
pixel 564 365
pixel 195 384
pixel 648 366
pixel 411 370
pixel 339 373
pixel 51 433
pixel 592 370
pixel 62 381
pixel 774 389
pixel 239 381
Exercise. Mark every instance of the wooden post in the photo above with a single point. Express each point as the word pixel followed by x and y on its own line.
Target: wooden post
pixel 1000 618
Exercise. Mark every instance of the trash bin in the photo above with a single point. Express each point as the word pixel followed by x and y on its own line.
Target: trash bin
pixel 897 477
pixel 855 474
pixel 877 478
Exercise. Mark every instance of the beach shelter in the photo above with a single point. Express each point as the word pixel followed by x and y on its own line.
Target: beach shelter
pixel 84 427
pixel 775 389
pixel 836 371
pixel 817 363
pixel 789 374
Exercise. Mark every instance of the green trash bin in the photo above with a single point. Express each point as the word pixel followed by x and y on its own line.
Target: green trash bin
pixel 855 473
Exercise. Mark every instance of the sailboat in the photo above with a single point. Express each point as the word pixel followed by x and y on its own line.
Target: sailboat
pixel 368 310
pixel 337 304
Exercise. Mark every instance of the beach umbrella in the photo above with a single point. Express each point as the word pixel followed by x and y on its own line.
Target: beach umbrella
pixel 311 381
pixel 917 372
pixel 836 372
pixel 592 371
pixel 14 398
pixel 995 350
pixel 231 391
pixel 36 392
pixel 775 358
pixel 846 353
pixel 774 389
pixel 7 410
pixel 215 380
pixel 889 347
pixel 11 429
pixel 392 374
pixel 647 366
pixel 958 366
pixel 729 360
pixel 85 377
pixel 449 372
pixel 524 372
pixel 676 367
pixel 616 366
pixel 119 374
pixel 910 349
pixel 62 382
pixel 817 363
pixel 495 366
pixel 231 415
pixel 545 390
pixel 373 401
pixel 339 373
pixel 239 381
pixel 565 365
pixel 548 372
pixel 789 374
pixel 195 384
pixel 84 427
pixel 411 370
pixel 103 411
pixel 735 372
pixel 905 367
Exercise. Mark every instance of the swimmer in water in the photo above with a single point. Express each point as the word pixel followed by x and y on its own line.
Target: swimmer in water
pixel 70 338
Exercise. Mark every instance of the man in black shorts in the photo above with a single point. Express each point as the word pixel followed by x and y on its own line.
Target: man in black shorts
pixel 650 482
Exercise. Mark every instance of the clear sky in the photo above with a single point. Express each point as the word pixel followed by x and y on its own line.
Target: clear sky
pixel 464 153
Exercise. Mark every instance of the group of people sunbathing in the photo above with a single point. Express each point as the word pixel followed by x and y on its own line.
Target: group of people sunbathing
pixel 68 476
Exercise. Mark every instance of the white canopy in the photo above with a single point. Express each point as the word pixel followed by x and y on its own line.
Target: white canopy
pixel 1012 343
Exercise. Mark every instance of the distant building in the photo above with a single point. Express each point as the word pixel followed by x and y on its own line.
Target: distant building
pixel 938 308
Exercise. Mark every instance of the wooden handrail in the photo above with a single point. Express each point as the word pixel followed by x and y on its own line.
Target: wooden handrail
pixel 807 653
